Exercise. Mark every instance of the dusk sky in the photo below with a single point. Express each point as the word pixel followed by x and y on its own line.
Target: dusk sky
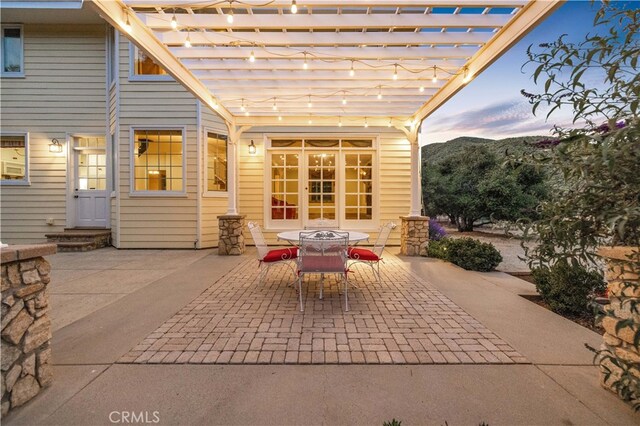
pixel 491 105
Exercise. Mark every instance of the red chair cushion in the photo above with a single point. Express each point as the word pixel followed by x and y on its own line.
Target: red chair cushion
pixel 281 254
pixel 362 254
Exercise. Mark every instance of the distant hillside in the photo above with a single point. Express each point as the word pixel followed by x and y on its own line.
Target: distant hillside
pixel 437 152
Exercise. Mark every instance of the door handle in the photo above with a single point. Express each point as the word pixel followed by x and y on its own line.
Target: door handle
pixel 75 196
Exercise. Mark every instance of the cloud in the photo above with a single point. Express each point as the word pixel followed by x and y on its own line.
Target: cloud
pixel 501 119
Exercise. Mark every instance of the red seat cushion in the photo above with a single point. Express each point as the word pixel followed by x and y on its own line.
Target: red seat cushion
pixel 362 254
pixel 281 254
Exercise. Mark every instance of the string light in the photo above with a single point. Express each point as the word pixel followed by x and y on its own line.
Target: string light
pixel 310 120
pixel 305 65
pixel 395 72
pixel 187 42
pixel 421 89
pixel 309 104
pixel 294 7
pixel 252 57
pixel 242 108
pixel 435 76
pixel 230 14
pixel 275 106
pixel 279 118
pixel 352 72
pixel 366 123
pixel 379 92
pixel 467 75
pixel 174 21
pixel 127 24
pixel 246 113
pixel 339 121
pixel 344 99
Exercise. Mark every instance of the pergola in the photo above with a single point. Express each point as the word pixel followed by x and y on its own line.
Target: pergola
pixel 325 62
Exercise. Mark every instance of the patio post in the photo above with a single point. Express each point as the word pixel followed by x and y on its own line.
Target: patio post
pixel 414 232
pixel 231 225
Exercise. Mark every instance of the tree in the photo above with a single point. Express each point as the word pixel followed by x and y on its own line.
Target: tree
pixel 596 201
pixel 471 185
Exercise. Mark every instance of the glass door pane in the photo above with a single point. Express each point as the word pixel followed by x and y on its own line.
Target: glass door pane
pixel 321 187
pixel 284 186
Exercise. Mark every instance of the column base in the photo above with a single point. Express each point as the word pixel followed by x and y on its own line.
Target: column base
pixel 414 235
pixel 231 239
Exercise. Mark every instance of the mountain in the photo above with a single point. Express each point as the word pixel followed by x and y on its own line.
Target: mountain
pixel 437 152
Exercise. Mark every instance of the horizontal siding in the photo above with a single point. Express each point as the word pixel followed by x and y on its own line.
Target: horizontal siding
pixel 63 92
pixel 155 222
pixel 394 183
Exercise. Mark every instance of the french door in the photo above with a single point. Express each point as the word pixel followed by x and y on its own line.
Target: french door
pixel 90 182
pixel 320 189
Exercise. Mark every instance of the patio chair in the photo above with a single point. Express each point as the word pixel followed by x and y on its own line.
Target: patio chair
pixel 323 252
pixel 286 255
pixel 372 257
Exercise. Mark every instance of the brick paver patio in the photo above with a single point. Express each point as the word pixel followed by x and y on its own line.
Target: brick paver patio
pixel 403 320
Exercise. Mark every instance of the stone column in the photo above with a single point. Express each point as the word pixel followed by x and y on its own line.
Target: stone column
pixel 620 356
pixel 414 235
pixel 26 327
pixel 231 240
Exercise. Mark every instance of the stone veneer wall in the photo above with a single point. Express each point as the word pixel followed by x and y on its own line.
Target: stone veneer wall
pixel 414 235
pixel 619 353
pixel 231 240
pixel 26 327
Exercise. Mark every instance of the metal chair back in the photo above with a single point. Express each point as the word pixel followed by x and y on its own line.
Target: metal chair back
pixel 383 236
pixel 258 239
pixel 323 252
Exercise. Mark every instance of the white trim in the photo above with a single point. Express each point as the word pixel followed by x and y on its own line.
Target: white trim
pixel 360 225
pixel 112 58
pixel 7 74
pixel 133 51
pixel 27 179
pixel 74 4
pixel 206 192
pixel 159 194
pixel 199 129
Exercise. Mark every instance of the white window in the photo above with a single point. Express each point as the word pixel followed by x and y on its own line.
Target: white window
pixel 112 51
pixel 216 154
pixel 158 161
pixel 12 58
pixel 14 158
pixel 143 68
pixel 332 181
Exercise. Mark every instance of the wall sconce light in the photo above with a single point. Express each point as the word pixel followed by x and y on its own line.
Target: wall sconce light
pixel 252 148
pixel 55 146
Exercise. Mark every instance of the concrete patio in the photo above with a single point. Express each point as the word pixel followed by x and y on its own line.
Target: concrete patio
pixel 109 304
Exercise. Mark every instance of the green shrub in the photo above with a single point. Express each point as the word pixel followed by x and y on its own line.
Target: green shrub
pixel 567 288
pixel 467 253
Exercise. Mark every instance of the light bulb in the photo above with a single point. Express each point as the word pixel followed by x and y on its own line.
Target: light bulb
pixel 230 14
pixel 310 121
pixel 344 100
pixel 252 57
pixel 187 42
pixel 279 118
pixel 294 7
pixel 174 22
pixel 305 65
pixel 366 123
pixel 352 72
pixel 379 92
pixel 275 107
pixel 340 122
pixel 395 72
pixel 127 24
pixel 246 113
pixel 467 75
pixel 421 89
pixel 435 76
pixel 309 104
pixel 242 108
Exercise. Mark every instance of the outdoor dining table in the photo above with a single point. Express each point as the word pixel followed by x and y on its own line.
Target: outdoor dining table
pixel 293 237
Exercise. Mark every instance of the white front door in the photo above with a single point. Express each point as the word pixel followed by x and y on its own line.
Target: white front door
pixel 321 190
pixel 90 182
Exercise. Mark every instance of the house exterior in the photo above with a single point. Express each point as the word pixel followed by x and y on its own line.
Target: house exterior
pixel 103 127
